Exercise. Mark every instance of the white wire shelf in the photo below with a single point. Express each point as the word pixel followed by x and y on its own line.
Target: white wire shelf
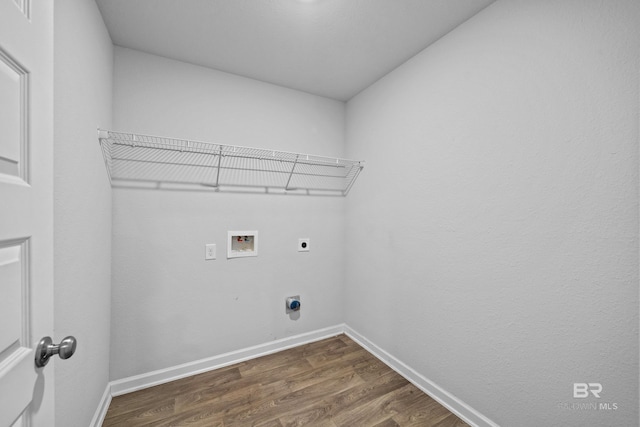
pixel 134 158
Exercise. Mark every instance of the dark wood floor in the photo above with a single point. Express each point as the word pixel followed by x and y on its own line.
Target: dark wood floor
pixel 333 382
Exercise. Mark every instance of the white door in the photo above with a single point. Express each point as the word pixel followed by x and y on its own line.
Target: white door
pixel 26 210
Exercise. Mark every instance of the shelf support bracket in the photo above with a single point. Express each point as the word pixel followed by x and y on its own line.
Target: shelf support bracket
pixel 219 162
pixel 358 170
pixel 286 187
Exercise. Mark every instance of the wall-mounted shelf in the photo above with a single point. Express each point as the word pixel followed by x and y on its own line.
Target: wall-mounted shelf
pixel 143 159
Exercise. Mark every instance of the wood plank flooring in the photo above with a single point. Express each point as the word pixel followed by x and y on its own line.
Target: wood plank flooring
pixel 329 383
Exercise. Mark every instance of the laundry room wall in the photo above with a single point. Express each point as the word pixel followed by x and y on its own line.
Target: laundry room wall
pixel 169 305
pixel 83 73
pixel 497 224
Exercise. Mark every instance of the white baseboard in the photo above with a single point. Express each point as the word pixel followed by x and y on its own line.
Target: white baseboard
pixel 103 406
pixel 150 379
pixel 446 399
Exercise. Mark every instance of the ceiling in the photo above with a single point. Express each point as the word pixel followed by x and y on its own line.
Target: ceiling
pixel 332 48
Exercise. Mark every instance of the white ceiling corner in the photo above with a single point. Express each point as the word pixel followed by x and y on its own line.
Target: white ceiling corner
pixel 332 48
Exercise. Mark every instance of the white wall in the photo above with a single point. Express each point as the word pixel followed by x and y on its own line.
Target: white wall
pixel 82 210
pixel 497 218
pixel 169 305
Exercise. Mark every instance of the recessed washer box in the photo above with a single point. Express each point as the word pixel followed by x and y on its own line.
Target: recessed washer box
pixel 242 244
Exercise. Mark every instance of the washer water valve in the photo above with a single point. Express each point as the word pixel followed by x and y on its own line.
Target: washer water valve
pixel 293 303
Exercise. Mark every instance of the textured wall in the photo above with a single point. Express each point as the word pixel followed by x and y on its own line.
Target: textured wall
pixel 169 305
pixel 82 210
pixel 497 219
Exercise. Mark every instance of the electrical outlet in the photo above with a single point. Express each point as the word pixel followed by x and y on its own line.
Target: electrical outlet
pixel 303 244
pixel 210 251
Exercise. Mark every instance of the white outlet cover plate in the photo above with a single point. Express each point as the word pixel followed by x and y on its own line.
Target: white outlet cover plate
pixel 301 247
pixel 210 251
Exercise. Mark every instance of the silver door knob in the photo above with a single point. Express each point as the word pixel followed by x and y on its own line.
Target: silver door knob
pixel 46 348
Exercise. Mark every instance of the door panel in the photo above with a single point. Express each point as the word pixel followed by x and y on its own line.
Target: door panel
pixel 13 116
pixel 15 350
pixel 13 313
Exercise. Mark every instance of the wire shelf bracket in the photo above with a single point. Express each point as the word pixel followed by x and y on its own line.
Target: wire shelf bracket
pixel 137 159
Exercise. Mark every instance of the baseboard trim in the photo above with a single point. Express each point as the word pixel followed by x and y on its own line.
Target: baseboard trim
pixel 103 406
pixel 446 399
pixel 150 379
